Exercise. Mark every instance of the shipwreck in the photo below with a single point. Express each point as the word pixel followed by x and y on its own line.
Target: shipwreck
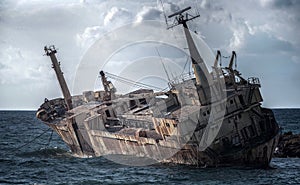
pixel 212 119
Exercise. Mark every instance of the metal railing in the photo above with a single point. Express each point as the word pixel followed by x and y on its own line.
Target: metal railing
pixel 181 78
pixel 253 81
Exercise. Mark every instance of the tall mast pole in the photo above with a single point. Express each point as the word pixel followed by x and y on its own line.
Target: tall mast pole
pixel 50 51
pixel 202 75
pixel 200 70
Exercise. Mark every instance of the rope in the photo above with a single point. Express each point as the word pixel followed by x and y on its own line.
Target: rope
pixel 184 66
pixel 50 138
pixel 33 140
pixel 17 149
pixel 130 82
pixel 163 64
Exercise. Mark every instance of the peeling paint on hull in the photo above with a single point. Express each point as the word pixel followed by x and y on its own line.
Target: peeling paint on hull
pixel 103 143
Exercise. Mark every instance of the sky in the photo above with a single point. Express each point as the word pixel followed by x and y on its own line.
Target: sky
pixel 264 33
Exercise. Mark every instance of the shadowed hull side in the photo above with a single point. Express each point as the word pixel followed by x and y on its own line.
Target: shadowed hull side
pixel 95 143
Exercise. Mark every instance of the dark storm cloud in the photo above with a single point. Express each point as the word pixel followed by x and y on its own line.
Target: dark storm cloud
pixel 285 3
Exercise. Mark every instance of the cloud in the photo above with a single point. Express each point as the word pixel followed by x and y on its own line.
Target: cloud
pixel 88 37
pixel 117 16
pixel 25 79
pixel 296 59
pixel 205 4
pixel 262 43
pixel 280 3
pixel 114 18
pixel 277 24
pixel 260 27
pixel 169 7
pixel 265 3
pixel 148 13
pixel 238 38
pixel 12 71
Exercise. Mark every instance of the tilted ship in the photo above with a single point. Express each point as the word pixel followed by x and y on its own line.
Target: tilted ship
pixel 212 119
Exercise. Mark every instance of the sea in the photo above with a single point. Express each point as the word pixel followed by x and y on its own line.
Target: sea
pixel 32 154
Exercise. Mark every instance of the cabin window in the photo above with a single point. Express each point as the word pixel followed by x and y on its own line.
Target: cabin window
pixel 244 133
pixel 231 101
pixel 241 99
pixel 262 126
pixel 132 104
pixel 167 124
pixel 272 126
pixel 235 140
pixel 107 113
pixel 268 123
pixel 226 141
pixel 142 133
pixel 251 131
pixel 143 101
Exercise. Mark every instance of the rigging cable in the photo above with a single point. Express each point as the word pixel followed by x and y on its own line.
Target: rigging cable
pixel 185 66
pixel 163 64
pixel 50 138
pixel 31 141
pixel 131 82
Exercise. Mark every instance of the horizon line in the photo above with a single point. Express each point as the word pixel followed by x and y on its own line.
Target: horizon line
pixel 36 109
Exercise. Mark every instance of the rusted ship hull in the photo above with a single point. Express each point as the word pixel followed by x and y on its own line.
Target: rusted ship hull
pixel 84 142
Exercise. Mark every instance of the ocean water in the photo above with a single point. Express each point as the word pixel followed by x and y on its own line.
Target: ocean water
pixel 48 161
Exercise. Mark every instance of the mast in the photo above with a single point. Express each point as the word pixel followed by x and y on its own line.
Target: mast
pixel 105 85
pixel 201 72
pixel 230 69
pixel 108 87
pixel 50 51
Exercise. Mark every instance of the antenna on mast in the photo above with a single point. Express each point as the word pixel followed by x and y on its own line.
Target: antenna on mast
pixel 180 18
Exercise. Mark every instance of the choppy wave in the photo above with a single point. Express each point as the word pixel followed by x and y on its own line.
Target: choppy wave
pixel 46 153
pixel 54 164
